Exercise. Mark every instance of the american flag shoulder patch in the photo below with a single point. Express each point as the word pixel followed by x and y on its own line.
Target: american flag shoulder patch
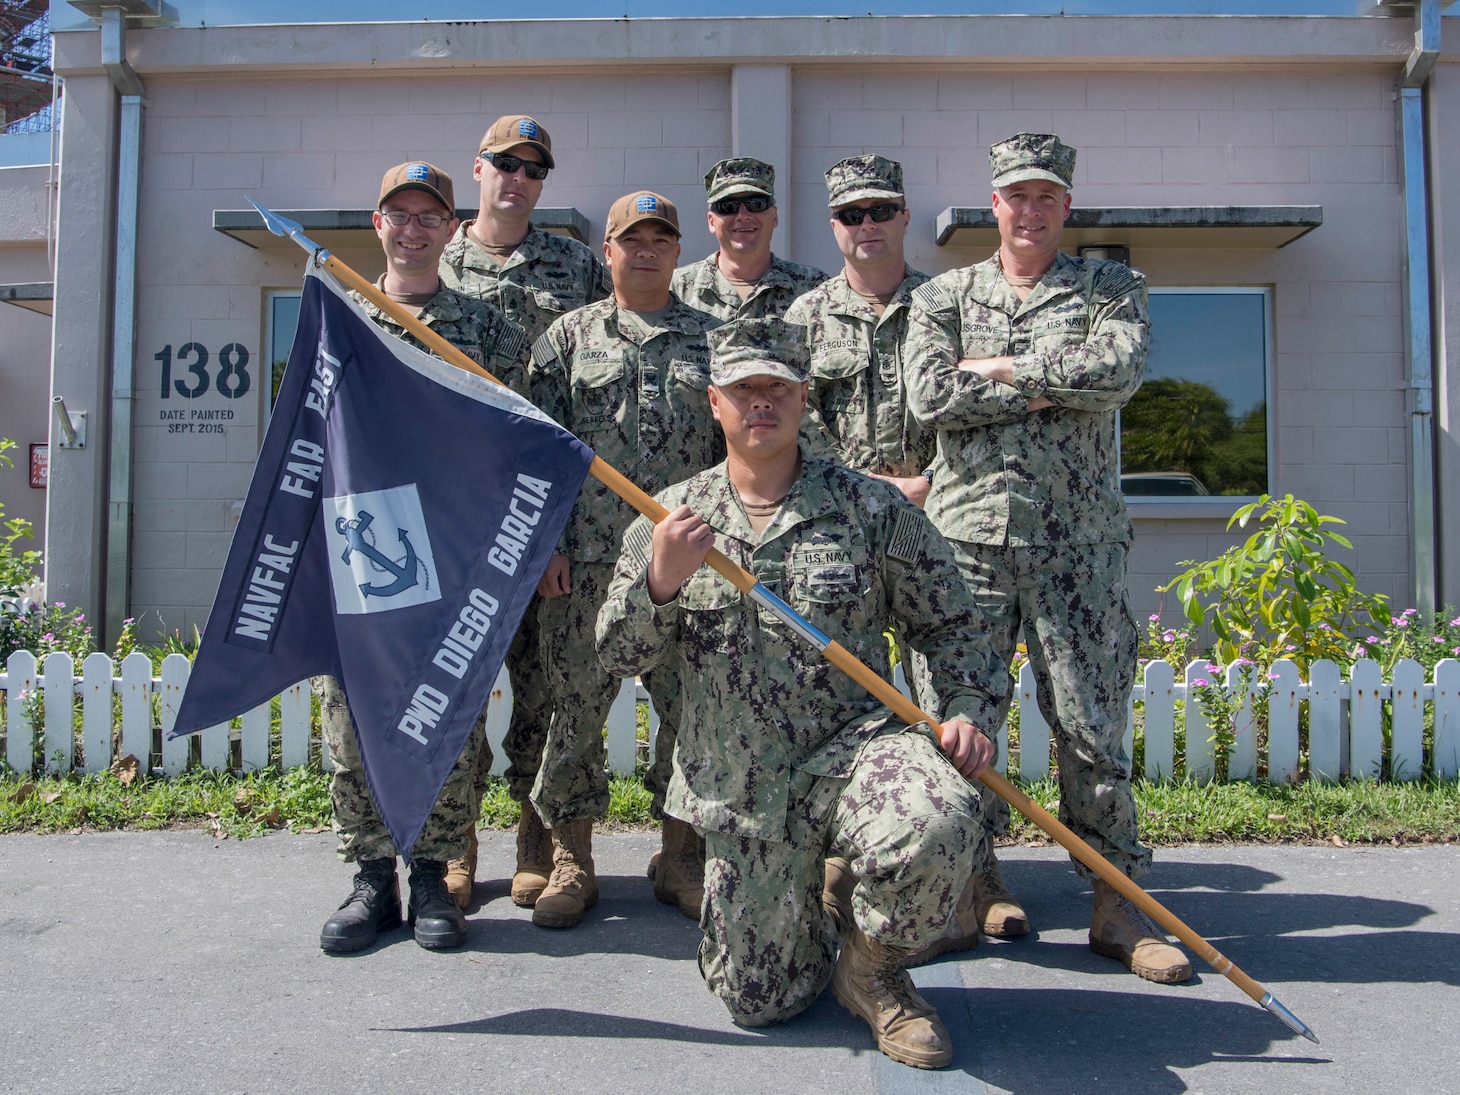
pixel 637 542
pixel 908 534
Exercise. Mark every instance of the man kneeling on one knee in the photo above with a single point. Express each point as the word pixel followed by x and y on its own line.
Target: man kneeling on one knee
pixel 783 760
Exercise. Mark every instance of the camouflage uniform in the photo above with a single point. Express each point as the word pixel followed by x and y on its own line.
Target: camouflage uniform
pixel 493 341
pixel 1032 500
pixel 783 759
pixel 702 286
pixel 638 399
pixel 857 411
pixel 546 277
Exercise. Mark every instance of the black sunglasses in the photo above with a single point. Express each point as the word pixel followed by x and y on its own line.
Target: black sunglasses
pixel 728 207
pixel 879 213
pixel 505 161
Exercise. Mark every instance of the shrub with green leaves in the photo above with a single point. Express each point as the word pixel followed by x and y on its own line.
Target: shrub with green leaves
pixel 1280 594
pixel 17 567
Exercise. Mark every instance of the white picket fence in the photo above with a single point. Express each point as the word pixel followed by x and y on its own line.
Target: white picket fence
pixel 1345 721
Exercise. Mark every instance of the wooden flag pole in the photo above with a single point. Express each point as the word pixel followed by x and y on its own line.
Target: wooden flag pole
pixel 833 651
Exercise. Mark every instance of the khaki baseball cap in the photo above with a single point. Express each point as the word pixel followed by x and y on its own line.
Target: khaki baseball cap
pixel 418 176
pixel 757 347
pixel 1032 156
pixel 740 175
pixel 860 177
pixel 511 130
pixel 641 205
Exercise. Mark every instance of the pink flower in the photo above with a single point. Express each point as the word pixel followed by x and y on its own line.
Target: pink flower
pixel 1438 638
pixel 1271 676
pixel 1290 647
pixel 1372 639
pixel 1410 612
pixel 1213 667
pixel 1168 637
pixel 1455 622
pixel 1201 682
pixel 48 637
pixel 1154 617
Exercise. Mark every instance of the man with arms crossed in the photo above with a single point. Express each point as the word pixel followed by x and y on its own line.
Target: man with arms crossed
pixel 1021 363
pixel 534 276
pixel 782 759
pixel 414 218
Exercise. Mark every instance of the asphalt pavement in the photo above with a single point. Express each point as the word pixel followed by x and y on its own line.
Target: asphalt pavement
pixel 178 963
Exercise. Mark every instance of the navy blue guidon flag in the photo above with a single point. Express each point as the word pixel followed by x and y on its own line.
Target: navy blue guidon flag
pixel 400 515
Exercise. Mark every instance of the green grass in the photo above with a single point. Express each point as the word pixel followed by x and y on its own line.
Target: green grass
pixel 1355 812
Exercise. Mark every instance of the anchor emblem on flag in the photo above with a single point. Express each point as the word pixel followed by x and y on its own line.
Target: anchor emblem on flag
pixel 405 571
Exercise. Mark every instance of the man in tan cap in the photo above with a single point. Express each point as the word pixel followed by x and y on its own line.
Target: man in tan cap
pixel 415 216
pixel 628 375
pixel 783 760
pixel 743 279
pixel 1021 364
pixel 535 277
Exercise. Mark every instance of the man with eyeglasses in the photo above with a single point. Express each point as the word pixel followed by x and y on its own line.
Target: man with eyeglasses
pixel 743 279
pixel 535 276
pixel 1021 364
pixel 414 218
pixel 628 375
pixel 856 411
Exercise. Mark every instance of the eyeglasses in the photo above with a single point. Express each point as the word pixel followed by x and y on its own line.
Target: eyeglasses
pixel 879 213
pixel 508 163
pixel 728 207
pixel 400 218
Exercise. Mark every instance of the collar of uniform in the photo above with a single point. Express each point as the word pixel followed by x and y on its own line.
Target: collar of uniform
pixel 461 249
pixel 806 502
pixel 442 306
pixel 846 301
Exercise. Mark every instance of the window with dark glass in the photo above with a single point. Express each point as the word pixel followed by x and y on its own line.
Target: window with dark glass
pixel 1199 424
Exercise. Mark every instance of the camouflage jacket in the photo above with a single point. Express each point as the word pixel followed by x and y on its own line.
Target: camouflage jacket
pixel 702 286
pixel 857 410
pixel 852 556
pixel 639 403
pixel 546 277
pixel 474 327
pixel 1006 476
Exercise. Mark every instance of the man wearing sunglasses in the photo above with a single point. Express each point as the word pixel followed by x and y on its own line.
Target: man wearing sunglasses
pixel 534 276
pixel 414 218
pixel 856 411
pixel 1021 363
pixel 743 279
pixel 628 375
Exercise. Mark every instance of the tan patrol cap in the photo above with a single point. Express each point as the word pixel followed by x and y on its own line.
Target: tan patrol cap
pixel 511 130
pixel 418 176
pixel 641 205
pixel 757 347
pixel 1032 156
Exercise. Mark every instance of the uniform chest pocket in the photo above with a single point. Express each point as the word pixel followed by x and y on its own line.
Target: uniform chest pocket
pixel 550 304
pixel 598 393
pixel 691 374
pixel 710 610
pixel 842 363
pixel 988 336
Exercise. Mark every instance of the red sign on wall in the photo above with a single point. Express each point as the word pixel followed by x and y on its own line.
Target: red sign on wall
pixel 40 464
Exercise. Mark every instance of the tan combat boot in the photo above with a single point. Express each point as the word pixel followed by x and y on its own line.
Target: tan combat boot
pixel 869 981
pixel 961 934
pixel 461 874
pixel 836 892
pixel 680 876
pixel 669 836
pixel 999 914
pixel 534 858
pixel 572 888
pixel 1120 930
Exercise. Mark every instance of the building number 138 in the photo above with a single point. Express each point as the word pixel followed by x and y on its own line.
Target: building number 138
pixel 230 376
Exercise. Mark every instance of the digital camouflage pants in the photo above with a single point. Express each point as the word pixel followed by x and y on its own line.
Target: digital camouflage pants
pixel 532 710
pixel 573 779
pixel 1083 642
pixel 356 820
pixel 908 822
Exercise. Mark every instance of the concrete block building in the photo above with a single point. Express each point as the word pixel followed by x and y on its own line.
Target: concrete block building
pixel 1281 179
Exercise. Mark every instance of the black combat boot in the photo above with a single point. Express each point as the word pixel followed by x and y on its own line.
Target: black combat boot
pixel 372 907
pixel 438 921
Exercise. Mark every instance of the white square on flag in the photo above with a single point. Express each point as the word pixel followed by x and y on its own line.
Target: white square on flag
pixel 379 551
